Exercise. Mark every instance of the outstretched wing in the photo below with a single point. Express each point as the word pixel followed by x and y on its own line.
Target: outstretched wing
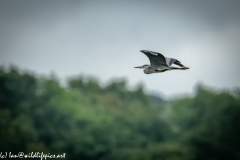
pixel 177 62
pixel 157 60
pixel 170 61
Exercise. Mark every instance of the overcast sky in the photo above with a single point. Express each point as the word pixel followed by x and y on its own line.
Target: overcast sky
pixel 103 38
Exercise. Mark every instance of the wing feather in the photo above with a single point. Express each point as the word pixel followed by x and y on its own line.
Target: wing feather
pixel 156 59
pixel 170 61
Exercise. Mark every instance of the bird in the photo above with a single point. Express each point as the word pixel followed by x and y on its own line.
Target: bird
pixel 159 63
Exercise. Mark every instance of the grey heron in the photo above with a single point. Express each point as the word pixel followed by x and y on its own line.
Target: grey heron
pixel 159 63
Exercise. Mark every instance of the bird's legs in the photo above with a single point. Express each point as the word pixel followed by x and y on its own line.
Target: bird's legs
pixel 183 68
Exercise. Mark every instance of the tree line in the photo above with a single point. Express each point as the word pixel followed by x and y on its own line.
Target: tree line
pixel 89 121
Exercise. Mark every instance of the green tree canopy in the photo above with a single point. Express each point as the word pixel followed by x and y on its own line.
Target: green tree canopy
pixel 87 120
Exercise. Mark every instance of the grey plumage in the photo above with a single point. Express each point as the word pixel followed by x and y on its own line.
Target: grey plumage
pixel 159 63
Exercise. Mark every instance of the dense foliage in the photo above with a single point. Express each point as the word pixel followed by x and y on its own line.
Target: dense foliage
pixel 88 121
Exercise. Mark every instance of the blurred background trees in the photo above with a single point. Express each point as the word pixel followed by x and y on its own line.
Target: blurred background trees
pixel 86 120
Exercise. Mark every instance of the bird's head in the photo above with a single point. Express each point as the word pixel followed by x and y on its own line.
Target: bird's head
pixel 143 66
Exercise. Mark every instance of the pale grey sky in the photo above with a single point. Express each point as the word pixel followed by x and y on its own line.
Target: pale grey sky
pixel 103 38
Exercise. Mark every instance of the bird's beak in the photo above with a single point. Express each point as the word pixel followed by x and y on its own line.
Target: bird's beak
pixel 141 50
pixel 138 67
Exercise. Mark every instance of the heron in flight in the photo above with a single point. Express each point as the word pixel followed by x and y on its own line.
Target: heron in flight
pixel 159 63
